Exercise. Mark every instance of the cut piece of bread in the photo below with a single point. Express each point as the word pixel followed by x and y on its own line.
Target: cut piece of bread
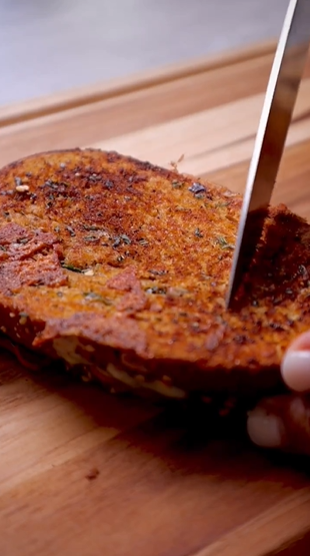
pixel 121 268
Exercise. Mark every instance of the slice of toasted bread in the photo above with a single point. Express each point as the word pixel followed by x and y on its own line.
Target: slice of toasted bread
pixel 121 268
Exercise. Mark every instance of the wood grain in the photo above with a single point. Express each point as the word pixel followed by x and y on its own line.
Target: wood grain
pixel 84 473
pixel 128 112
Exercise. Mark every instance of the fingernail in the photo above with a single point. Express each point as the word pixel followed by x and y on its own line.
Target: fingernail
pixel 296 370
pixel 265 429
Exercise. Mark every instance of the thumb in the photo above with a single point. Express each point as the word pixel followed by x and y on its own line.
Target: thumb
pixel 281 422
pixel 296 364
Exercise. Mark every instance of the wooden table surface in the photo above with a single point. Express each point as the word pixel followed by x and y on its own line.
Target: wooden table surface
pixel 84 473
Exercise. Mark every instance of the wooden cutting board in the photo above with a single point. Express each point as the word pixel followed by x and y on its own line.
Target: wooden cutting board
pixel 83 473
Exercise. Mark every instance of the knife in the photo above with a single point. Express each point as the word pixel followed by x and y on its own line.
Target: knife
pixel 284 81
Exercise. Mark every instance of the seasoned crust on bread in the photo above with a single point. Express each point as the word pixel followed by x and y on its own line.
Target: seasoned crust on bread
pixel 121 267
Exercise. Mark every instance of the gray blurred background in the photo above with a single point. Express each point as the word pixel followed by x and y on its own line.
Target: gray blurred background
pixel 48 46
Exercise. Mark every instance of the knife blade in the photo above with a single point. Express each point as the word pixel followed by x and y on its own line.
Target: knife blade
pixel 281 94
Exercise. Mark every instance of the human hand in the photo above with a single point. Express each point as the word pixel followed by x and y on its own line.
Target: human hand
pixel 283 422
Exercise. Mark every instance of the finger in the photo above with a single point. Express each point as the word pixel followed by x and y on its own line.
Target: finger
pixel 295 366
pixel 281 422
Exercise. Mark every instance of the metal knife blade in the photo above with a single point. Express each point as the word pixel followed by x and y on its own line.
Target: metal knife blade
pixel 275 119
